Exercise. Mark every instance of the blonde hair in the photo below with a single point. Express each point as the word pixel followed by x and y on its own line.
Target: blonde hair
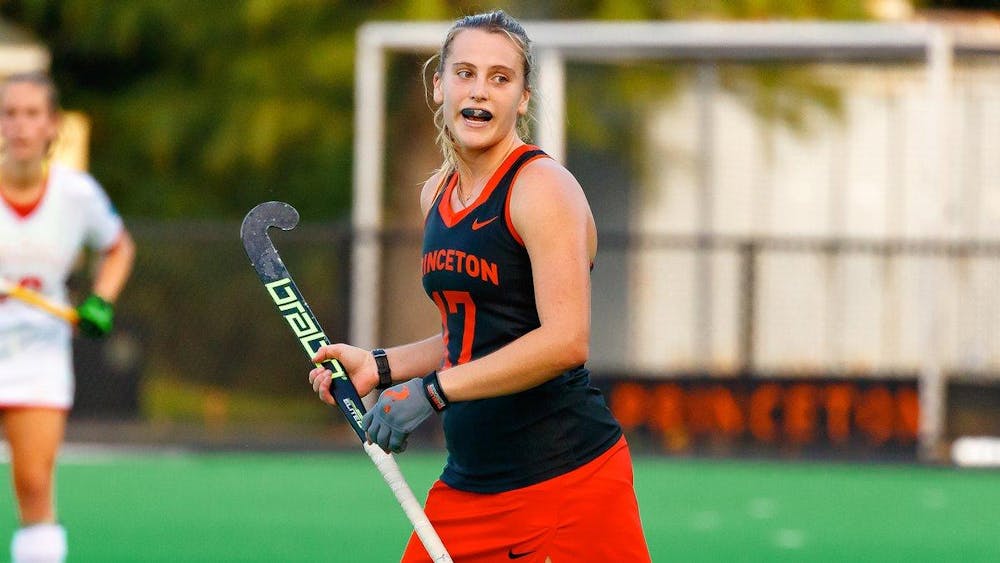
pixel 496 21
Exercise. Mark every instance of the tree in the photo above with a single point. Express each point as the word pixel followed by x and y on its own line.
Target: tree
pixel 203 109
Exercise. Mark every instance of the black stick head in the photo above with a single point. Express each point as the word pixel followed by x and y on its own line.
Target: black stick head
pixel 253 232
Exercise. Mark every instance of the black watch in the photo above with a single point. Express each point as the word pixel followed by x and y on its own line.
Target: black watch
pixel 384 373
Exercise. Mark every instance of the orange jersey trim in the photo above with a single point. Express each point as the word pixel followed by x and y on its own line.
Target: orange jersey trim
pixel 23 210
pixel 452 217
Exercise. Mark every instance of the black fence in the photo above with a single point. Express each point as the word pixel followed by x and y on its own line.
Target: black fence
pixel 201 356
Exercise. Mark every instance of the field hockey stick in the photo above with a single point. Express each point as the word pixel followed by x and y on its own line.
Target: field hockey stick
pixel 272 273
pixel 36 299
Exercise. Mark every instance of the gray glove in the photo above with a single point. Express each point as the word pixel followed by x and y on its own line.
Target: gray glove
pixel 399 410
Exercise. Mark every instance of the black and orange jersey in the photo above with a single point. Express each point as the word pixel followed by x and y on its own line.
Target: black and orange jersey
pixel 478 273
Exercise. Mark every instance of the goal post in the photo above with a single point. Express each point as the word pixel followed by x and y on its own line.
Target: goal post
pixel 558 43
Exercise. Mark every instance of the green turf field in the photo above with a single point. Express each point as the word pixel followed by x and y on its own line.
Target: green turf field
pixel 302 507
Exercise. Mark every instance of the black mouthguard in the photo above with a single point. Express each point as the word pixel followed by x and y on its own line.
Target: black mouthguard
pixel 477 113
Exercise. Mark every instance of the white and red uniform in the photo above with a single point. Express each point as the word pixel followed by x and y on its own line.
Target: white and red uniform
pixel 39 246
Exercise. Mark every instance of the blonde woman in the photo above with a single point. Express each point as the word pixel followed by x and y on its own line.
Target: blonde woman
pixel 538 468
pixel 48 213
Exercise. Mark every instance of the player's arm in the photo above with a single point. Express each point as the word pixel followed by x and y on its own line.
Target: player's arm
pixel 405 362
pixel 550 212
pixel 97 312
pixel 114 268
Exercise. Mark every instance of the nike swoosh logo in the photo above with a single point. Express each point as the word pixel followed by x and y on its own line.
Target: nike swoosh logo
pixel 476 224
pixel 512 555
pixel 398 395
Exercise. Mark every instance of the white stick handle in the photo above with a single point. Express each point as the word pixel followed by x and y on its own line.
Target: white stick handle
pixel 411 506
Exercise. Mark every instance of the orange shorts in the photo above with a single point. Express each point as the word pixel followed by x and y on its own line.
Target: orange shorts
pixel 588 514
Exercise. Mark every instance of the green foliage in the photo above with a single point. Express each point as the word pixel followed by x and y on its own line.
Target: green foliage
pixel 203 109
pixel 168 399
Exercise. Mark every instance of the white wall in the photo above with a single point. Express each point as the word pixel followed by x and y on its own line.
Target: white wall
pixel 866 173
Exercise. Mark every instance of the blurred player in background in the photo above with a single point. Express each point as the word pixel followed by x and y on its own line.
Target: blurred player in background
pixel 538 468
pixel 48 214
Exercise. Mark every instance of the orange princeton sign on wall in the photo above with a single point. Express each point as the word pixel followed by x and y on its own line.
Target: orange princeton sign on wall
pixel 787 415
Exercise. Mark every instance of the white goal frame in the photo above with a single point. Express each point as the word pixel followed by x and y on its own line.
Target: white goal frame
pixel 555 43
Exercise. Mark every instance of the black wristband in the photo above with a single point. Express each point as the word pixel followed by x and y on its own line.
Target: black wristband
pixel 384 373
pixel 432 388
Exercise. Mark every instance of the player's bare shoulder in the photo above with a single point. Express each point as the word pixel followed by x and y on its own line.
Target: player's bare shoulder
pixel 547 196
pixel 545 179
pixel 430 190
pixel 544 183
